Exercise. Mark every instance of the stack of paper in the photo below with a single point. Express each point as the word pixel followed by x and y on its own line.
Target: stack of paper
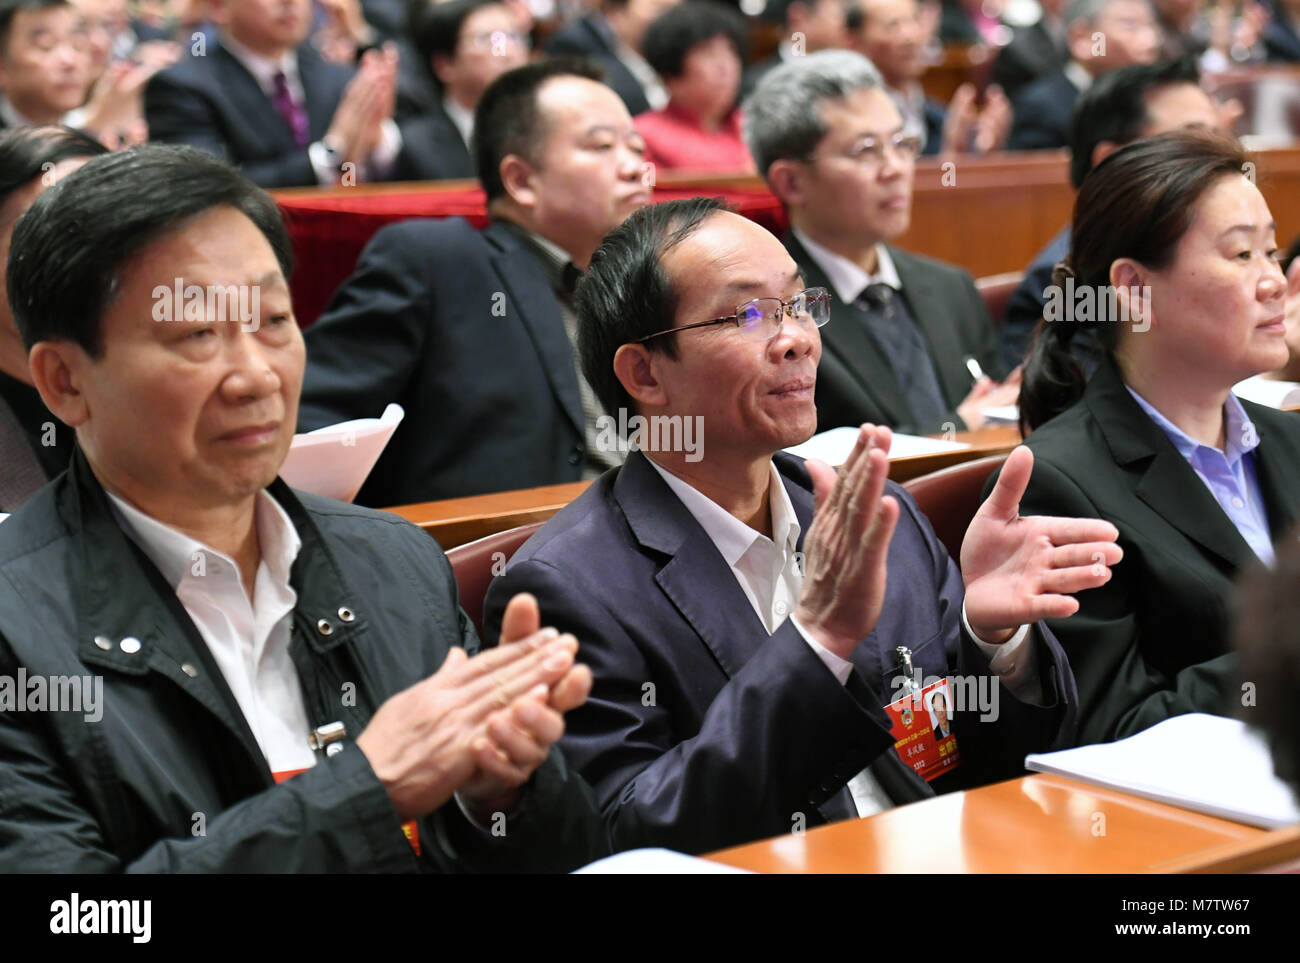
pixel 834 446
pixel 334 461
pixel 1206 763
pixel 655 861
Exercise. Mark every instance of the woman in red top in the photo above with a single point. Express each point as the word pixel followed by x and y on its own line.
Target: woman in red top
pixel 696 49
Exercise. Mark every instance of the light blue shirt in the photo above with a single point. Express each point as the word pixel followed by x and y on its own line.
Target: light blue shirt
pixel 1228 474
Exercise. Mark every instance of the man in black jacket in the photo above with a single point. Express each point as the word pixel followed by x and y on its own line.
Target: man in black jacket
pixel 240 678
pixel 471 331
pixel 910 336
pixel 611 38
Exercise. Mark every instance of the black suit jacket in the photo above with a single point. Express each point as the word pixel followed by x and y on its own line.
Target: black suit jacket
pixel 1279 37
pixel 213 103
pixel 1031 53
pixel 586 37
pixel 855 381
pixel 432 149
pixel 1042 113
pixel 1153 642
pixel 702 730
pixel 463 329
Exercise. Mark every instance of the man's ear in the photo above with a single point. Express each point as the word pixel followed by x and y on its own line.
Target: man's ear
pixel 440 64
pixel 785 179
pixel 636 368
pixel 517 179
pixel 1102 150
pixel 56 367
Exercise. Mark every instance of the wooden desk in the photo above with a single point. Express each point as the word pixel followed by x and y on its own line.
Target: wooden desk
pixel 1035 824
pixel 455 521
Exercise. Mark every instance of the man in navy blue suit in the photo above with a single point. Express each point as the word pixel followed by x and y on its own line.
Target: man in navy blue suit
pixel 744 650
pixel 266 101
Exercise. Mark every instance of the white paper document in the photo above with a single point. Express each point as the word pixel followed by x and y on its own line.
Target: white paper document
pixel 1206 763
pixel 1262 391
pixel 834 446
pixel 334 461
pixel 655 862
pixel 1002 415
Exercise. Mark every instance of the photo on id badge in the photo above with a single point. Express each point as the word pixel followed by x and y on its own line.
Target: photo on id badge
pixel 921 723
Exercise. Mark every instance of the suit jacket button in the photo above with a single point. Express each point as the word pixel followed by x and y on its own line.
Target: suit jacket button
pixel 103 642
pixel 324 628
pixel 346 614
pixel 575 456
pixel 130 645
pixel 189 670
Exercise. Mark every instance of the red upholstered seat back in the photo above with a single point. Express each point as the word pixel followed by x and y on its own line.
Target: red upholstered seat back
pixel 477 563
pixel 950 497
pixel 996 289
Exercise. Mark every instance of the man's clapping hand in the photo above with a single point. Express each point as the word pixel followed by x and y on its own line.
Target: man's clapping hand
pixel 1019 570
pixel 479 725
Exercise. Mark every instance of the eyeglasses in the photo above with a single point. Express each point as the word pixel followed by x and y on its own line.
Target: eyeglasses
pixel 760 319
pixel 870 151
pixel 496 39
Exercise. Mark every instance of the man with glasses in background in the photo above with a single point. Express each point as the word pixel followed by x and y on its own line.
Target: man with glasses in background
pixel 743 660
pixel 913 346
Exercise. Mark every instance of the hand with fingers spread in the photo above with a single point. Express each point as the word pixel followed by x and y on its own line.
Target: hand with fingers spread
pixel 1019 570
pixel 847 545
pixel 516 739
pixel 425 742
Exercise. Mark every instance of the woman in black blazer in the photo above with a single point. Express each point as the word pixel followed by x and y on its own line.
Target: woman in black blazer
pixel 1177 248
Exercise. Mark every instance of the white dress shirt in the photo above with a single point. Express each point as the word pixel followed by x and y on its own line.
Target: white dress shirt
pixel 770 574
pixel 264 69
pixel 848 279
pixel 248 640
pixel 461 118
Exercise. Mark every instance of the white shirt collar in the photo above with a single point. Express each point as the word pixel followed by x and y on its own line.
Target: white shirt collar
pixel 1078 75
pixel 262 68
pixel 847 278
pixel 461 119
pixel 175 553
pixel 733 537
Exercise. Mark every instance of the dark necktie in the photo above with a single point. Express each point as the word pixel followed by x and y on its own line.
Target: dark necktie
pixel 891 326
pixel 291 112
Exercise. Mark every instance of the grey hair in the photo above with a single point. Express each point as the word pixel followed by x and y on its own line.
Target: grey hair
pixel 1085 11
pixel 783 116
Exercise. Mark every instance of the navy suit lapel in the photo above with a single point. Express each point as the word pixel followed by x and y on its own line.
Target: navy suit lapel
pixel 847 340
pixel 534 300
pixel 934 315
pixel 254 111
pixel 1164 480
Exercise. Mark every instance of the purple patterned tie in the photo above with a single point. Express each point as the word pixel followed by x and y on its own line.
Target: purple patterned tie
pixel 290 111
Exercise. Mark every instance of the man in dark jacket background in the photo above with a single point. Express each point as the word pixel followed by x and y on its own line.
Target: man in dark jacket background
pixel 239 677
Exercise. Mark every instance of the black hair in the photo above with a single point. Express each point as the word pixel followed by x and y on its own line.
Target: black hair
pixel 508 121
pixel 1137 203
pixel 435 27
pixel 625 294
pixel 27 153
pixel 1266 634
pixel 10 8
pixel 673 34
pixel 1114 107
pixel 71 247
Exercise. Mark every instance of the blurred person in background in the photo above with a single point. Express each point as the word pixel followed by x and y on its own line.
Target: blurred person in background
pixel 611 36
pixel 1102 35
pixel 466 45
pixel 697 49
pixel 34 445
pixel 892 36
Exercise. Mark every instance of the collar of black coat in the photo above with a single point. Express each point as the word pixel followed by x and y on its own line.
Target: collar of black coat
pixel 121 595
pixel 661 522
pixel 1169 485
